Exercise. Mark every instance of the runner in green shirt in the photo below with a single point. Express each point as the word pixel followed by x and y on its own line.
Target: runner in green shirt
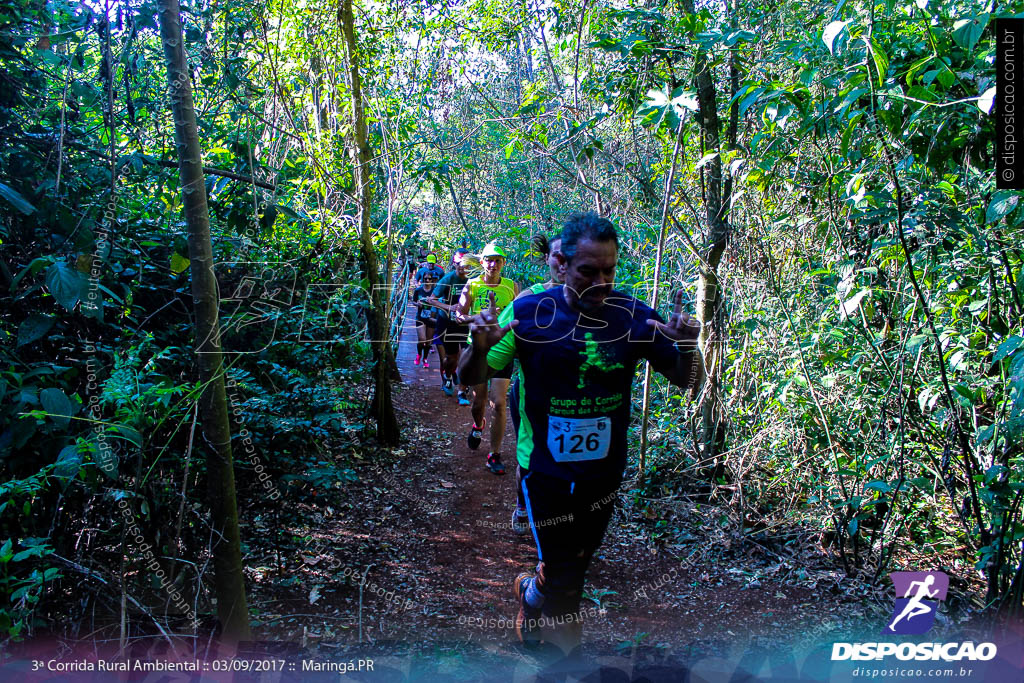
pixel 475 296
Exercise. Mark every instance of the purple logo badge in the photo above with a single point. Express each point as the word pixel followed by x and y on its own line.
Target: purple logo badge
pixel 917 597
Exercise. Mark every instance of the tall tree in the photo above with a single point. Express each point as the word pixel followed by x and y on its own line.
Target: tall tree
pixel 382 407
pixel 232 610
pixel 709 291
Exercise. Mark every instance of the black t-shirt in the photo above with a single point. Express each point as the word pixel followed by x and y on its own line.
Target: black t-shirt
pixel 425 313
pixel 448 290
pixel 577 379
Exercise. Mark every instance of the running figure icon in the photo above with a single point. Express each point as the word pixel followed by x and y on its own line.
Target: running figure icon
pixel 918 595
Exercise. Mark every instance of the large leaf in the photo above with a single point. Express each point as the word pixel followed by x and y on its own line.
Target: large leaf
pixel 34 328
pixel 1003 202
pixel 967 32
pixel 828 36
pixel 16 200
pixel 1008 347
pixel 58 405
pixel 179 264
pixel 850 306
pixel 987 99
pixel 66 284
pixel 68 463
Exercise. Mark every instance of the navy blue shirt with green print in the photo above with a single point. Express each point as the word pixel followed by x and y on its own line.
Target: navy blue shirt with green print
pixel 578 371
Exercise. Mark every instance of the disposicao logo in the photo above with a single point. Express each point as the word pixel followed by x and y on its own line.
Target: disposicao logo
pixel 917 598
pixel 918 595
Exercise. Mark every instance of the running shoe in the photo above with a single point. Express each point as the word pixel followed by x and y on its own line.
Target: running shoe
pixel 520 521
pixel 494 463
pixel 426 363
pixel 473 440
pixel 529 618
pixel 448 387
pixel 464 401
pixel 417 361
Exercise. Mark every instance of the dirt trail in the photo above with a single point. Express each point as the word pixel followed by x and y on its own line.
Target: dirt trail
pixel 430 533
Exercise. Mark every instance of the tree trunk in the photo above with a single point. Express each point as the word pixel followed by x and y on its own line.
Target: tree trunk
pixel 709 294
pixel 232 611
pixel 382 407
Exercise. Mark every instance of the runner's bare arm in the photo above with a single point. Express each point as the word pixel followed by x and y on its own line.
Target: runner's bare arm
pixel 684 331
pixel 464 306
pixel 484 333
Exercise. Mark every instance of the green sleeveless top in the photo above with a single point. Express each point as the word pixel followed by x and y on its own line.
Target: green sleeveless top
pixel 504 293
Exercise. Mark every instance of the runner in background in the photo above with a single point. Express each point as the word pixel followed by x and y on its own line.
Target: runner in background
pixel 453 331
pixel 429 267
pixel 474 297
pixel 551 251
pixel 442 321
pixel 426 319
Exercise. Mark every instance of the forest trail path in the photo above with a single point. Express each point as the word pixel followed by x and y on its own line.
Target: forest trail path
pixel 477 555
pixel 430 534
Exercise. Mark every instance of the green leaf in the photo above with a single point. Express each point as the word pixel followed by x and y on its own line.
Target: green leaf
pixel 844 146
pixel 987 99
pixel 1007 347
pixel 849 307
pixel 126 433
pixel 915 342
pixel 880 59
pixel 16 200
pixel 916 67
pixel 945 76
pixel 967 32
pixel 58 405
pixel 965 392
pixel 179 264
pixel 828 36
pixel 749 100
pixel 66 284
pixel 1003 202
pixel 878 485
pixel 25 554
pixel 92 304
pixel 34 327
pixel 105 459
pixel 68 463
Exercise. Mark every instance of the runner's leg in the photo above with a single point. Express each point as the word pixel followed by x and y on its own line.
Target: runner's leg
pixel 568 522
pixel 498 394
pixel 420 333
pixel 428 340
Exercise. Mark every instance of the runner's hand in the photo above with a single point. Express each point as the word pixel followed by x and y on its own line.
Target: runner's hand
pixel 484 328
pixel 681 327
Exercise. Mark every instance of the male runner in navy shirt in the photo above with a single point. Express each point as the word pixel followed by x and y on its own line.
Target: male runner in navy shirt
pixel 578 345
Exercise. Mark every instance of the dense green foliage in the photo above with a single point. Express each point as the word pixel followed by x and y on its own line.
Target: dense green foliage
pixel 873 374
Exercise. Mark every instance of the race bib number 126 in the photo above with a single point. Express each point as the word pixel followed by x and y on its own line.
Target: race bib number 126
pixel 573 439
